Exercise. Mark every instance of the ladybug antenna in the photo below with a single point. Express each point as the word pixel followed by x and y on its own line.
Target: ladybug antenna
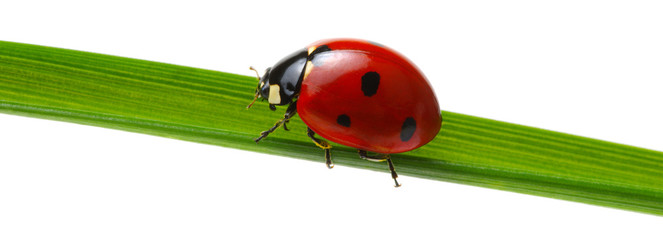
pixel 255 97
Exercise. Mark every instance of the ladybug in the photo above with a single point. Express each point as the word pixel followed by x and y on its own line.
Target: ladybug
pixel 356 93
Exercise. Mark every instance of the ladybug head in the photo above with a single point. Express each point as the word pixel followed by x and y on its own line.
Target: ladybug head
pixel 280 84
pixel 264 87
pixel 262 90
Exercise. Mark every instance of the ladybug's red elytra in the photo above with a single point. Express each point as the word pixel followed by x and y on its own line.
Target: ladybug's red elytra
pixel 356 93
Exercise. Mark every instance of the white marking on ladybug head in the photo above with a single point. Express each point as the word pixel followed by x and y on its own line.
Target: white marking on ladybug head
pixel 311 49
pixel 307 70
pixel 274 94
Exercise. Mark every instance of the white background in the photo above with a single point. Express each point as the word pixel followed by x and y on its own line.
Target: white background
pixel 591 68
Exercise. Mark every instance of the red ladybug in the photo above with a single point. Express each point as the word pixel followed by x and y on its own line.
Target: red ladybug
pixel 356 93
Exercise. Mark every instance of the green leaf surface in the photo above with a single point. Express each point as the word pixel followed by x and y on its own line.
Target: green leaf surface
pixel 209 107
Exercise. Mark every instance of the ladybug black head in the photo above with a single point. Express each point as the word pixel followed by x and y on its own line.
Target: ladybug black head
pixel 262 89
pixel 263 85
pixel 280 84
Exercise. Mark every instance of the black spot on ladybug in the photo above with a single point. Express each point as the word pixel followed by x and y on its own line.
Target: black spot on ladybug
pixel 316 58
pixel 319 49
pixel 408 128
pixel 369 83
pixel 343 120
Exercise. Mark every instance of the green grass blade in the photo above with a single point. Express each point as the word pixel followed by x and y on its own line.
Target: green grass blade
pixel 209 107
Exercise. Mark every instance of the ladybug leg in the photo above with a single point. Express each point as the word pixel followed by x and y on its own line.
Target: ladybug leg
pixel 322 144
pixel 381 158
pixel 289 113
pixel 284 124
